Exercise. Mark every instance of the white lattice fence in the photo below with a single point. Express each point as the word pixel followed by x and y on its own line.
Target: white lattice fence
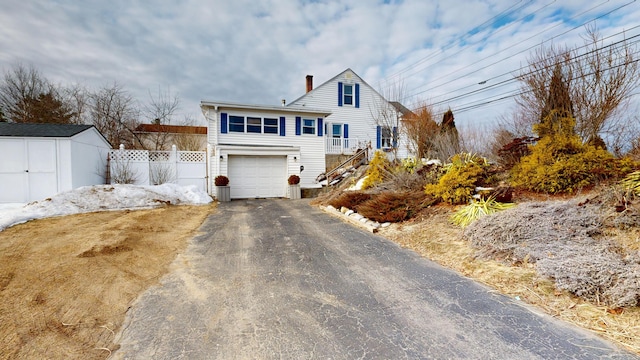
pixel 144 167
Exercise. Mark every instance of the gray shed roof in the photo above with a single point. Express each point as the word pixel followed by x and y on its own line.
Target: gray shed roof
pixel 41 130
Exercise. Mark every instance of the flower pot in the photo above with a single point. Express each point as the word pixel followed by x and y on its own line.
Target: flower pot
pixel 294 192
pixel 223 193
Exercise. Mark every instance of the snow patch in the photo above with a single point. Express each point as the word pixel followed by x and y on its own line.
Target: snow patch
pixel 102 198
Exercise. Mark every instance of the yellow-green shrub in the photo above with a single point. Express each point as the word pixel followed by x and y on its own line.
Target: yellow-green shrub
pixel 409 165
pixel 377 167
pixel 460 179
pixel 560 162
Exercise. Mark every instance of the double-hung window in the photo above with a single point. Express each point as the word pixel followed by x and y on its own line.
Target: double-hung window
pixel 386 137
pixel 270 126
pixel 347 94
pixel 254 125
pixel 309 126
pixel 236 123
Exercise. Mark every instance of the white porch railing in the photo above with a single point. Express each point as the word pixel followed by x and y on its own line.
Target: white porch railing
pixel 341 145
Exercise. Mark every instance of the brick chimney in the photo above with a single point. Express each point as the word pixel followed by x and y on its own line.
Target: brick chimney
pixel 309 83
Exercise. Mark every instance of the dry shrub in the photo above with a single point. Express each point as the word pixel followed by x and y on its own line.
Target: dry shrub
pixel 391 206
pixel 560 237
pixel 406 181
pixel 350 199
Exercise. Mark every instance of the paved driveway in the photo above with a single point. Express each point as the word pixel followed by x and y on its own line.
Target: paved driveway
pixel 278 279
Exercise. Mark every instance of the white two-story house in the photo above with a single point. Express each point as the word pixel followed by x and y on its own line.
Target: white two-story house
pixel 259 146
pixel 360 116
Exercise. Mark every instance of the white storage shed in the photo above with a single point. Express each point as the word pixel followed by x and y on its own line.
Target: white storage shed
pixel 40 160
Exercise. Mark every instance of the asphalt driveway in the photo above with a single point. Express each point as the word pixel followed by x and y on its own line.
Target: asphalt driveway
pixel 278 279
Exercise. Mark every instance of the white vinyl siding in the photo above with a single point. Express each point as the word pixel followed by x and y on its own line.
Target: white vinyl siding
pixel 362 125
pixel 307 151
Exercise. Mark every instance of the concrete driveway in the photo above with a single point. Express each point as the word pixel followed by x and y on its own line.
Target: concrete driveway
pixel 278 279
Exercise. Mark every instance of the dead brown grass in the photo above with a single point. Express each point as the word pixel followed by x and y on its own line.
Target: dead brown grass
pixel 433 236
pixel 66 283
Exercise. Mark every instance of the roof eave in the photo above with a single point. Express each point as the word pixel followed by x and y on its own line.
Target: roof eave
pixel 238 106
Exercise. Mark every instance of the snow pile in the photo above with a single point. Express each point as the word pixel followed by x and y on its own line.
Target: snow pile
pixel 102 198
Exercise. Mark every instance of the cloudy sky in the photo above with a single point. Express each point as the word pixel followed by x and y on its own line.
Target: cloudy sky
pixel 260 51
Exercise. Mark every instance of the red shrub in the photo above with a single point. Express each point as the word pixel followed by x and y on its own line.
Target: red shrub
pixel 394 206
pixel 350 199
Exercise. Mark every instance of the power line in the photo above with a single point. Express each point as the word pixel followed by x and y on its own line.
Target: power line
pixel 527 49
pixel 468 34
pixel 622 44
pixel 492 34
pixel 523 67
pixel 508 95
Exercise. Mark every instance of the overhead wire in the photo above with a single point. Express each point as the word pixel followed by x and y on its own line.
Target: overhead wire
pixel 492 34
pixel 471 32
pixel 526 66
pixel 511 94
pixel 622 43
pixel 520 52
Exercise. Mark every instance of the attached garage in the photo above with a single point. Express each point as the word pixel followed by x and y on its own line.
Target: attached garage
pixel 41 160
pixel 257 176
pixel 256 171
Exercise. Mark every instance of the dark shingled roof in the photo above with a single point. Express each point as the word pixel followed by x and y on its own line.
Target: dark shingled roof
pixel 41 130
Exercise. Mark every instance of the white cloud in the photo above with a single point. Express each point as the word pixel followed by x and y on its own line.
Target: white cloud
pixel 260 52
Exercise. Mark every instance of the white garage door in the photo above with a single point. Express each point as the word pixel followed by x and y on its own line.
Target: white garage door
pixel 257 176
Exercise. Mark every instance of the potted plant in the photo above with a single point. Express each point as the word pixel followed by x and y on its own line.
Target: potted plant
pixel 223 191
pixel 294 187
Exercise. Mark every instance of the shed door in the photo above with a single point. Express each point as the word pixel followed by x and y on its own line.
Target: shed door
pixel 27 170
pixel 42 169
pixel 257 176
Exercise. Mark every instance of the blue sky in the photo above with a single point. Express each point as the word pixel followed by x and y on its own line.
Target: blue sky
pixel 260 51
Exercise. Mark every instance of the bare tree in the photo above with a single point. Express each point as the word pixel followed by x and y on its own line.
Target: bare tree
pixel 77 98
pixel 27 96
pixel 190 141
pixel 160 111
pixel 420 129
pixel 600 78
pixel 385 111
pixel 114 114
pixel 604 81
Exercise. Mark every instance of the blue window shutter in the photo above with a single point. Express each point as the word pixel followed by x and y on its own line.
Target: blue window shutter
pixel 298 125
pixel 357 95
pixel 395 137
pixel 320 127
pixel 378 137
pixel 223 123
pixel 339 94
pixel 345 132
pixel 283 131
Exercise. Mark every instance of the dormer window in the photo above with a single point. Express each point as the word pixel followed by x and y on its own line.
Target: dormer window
pixel 348 94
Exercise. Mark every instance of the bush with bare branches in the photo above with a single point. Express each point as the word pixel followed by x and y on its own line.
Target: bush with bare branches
pixel 350 199
pixel 392 206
